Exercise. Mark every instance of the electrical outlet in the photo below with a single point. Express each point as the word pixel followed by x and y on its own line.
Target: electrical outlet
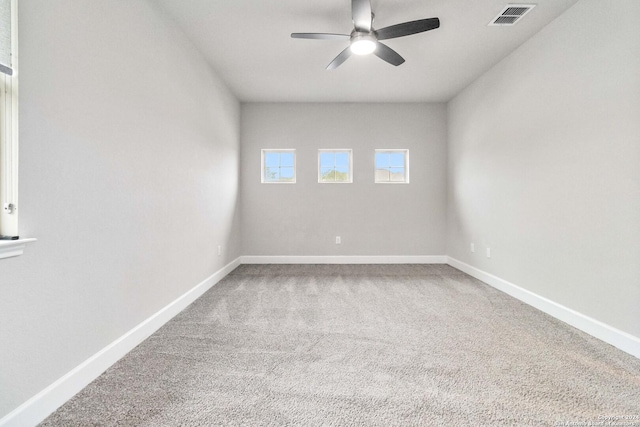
pixel 488 252
pixel 473 247
pixel 338 240
pixel 219 250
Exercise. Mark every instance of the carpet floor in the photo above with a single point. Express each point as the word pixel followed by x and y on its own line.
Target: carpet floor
pixel 366 345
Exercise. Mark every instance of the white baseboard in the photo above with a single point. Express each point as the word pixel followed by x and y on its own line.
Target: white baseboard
pixel 51 398
pixel 48 400
pixel 617 338
pixel 339 259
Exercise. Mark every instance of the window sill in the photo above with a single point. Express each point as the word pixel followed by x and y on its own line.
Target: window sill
pixel 10 248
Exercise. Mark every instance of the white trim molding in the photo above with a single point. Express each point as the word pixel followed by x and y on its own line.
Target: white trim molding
pixel 9 135
pixel 339 259
pixel 51 398
pixel 40 406
pixel 617 338
pixel 9 248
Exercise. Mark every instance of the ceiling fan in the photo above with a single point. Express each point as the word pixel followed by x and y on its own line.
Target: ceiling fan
pixel 365 40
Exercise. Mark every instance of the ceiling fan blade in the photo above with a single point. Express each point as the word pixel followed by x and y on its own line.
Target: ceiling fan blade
pixel 320 36
pixel 361 15
pixel 385 53
pixel 344 55
pixel 407 28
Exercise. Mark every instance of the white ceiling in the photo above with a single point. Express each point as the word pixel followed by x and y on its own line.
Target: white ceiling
pixel 248 44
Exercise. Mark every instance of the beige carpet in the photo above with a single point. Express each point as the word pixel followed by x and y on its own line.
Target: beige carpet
pixel 366 345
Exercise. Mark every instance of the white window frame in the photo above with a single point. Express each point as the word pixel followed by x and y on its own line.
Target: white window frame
pixel 277 150
pixel 9 137
pixel 9 150
pixel 336 150
pixel 406 164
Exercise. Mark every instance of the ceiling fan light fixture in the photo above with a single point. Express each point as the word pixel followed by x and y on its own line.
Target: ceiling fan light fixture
pixel 363 44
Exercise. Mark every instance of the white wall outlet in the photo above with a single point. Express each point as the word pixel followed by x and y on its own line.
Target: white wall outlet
pixel 219 250
pixel 338 240
pixel 488 252
pixel 472 247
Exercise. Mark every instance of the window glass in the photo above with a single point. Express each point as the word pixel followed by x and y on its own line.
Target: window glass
pixel 334 166
pixel 278 166
pixel 392 166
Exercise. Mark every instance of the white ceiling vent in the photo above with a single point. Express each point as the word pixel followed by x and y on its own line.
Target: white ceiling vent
pixel 511 14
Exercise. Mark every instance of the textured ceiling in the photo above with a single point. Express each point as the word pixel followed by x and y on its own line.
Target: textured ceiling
pixel 248 44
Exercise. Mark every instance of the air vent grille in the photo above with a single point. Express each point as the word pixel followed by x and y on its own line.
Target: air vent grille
pixel 506 20
pixel 511 14
pixel 515 11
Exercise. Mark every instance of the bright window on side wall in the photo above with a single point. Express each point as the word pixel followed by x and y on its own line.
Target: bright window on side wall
pixel 279 166
pixel 335 166
pixel 8 119
pixel 392 166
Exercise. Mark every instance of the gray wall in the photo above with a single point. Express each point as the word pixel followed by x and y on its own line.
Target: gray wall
pixel 372 219
pixel 544 154
pixel 130 158
pixel 128 177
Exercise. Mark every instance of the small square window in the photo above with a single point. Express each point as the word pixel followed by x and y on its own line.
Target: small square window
pixel 392 166
pixel 279 166
pixel 334 166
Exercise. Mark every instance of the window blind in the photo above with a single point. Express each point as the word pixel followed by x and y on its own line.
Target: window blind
pixel 5 37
